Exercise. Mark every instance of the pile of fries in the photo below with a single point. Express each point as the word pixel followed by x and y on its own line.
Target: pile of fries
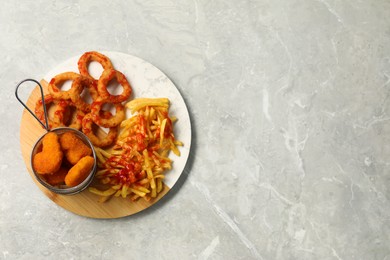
pixel 135 166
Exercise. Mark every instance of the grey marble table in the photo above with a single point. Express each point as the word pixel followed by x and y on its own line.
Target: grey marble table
pixel 289 102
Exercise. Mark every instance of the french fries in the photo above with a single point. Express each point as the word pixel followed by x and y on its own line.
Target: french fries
pixel 140 103
pixel 135 166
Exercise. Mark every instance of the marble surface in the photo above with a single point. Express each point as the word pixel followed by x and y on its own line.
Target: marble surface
pixel 289 102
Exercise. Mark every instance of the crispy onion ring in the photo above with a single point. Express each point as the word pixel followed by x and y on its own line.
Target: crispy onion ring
pixel 87 57
pixel 71 108
pixel 105 78
pixel 99 142
pixel 56 120
pixel 77 120
pixel 73 117
pixel 60 79
pixel 80 84
pixel 107 121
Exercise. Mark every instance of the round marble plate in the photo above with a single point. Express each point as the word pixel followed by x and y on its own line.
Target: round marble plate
pixel 147 81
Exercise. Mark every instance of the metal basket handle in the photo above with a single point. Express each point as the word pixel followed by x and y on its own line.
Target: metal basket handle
pixel 46 125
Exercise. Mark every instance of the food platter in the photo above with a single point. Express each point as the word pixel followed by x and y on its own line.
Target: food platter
pixel 146 81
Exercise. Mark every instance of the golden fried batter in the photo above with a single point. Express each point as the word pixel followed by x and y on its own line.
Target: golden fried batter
pixel 49 160
pixel 79 171
pixel 58 177
pixel 74 148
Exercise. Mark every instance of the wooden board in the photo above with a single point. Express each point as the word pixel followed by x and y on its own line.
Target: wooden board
pixel 85 203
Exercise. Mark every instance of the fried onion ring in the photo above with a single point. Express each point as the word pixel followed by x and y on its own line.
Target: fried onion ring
pixel 60 79
pixel 72 108
pixel 80 84
pixel 60 106
pixel 105 78
pixel 107 121
pixel 99 142
pixel 73 117
pixel 87 57
pixel 77 120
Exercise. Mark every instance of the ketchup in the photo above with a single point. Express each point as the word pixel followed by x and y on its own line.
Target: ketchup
pixel 131 173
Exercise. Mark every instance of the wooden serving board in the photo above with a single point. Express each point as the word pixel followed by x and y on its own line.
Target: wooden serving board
pixel 85 203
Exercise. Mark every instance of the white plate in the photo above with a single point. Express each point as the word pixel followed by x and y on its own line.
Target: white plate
pixel 147 81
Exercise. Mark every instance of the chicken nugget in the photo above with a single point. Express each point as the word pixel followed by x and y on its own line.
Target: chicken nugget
pixel 49 160
pixel 79 171
pixel 56 178
pixel 74 147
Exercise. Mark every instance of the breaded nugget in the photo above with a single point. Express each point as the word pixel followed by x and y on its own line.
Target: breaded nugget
pixel 49 160
pixel 56 178
pixel 74 148
pixel 79 171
